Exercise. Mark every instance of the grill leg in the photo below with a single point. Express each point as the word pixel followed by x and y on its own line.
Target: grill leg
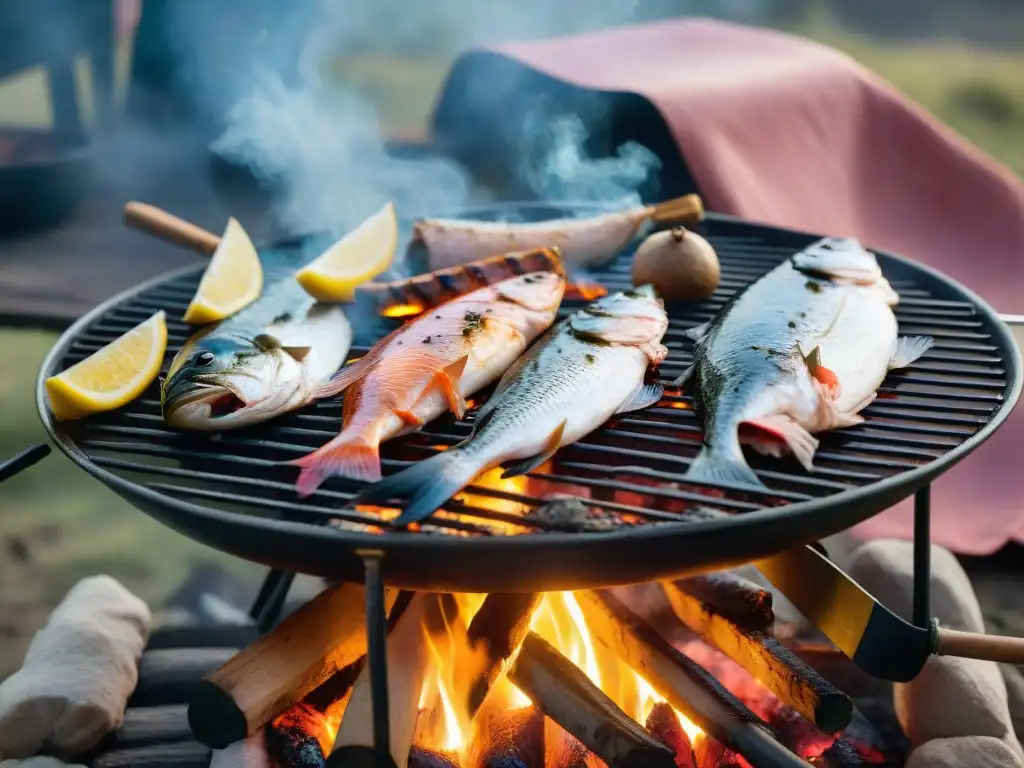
pixel 269 602
pixel 922 555
pixel 376 652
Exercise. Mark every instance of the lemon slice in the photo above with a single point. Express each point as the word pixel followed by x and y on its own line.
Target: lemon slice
pixel 233 279
pixel 112 376
pixel 359 256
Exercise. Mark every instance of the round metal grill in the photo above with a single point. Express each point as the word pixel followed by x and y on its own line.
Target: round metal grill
pixel 232 492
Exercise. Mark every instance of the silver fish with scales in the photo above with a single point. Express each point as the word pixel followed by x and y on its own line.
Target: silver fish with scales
pixel 268 359
pixel 801 351
pixel 581 373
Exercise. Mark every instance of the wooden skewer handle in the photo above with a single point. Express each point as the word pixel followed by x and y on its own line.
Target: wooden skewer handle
pixel 166 226
pixel 973 645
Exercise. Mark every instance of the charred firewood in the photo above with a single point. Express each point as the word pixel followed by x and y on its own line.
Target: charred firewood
pixel 767 660
pixel 277 671
pixel 741 601
pixel 683 683
pixel 560 690
pixel 495 635
pixel 666 728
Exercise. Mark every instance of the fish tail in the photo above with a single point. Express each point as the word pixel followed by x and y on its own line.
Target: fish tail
pixel 718 467
pixel 355 458
pixel 427 485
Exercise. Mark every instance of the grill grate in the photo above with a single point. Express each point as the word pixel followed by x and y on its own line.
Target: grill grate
pixel 631 469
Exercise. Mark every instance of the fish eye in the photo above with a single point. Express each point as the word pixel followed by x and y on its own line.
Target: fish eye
pixel 203 358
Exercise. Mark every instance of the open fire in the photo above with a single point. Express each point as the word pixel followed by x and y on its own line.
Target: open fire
pixel 567 680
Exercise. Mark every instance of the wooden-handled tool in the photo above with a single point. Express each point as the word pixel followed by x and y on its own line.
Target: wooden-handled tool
pixel 167 226
pixel 877 640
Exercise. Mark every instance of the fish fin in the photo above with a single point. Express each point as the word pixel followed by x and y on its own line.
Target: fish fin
pixel 685 376
pixel 643 396
pixel 783 428
pixel 532 462
pixel 343 379
pixel 826 376
pixel 698 332
pixel 427 484
pixel 449 379
pixel 297 353
pixel 355 459
pixel 715 469
pixel 908 349
pixel 410 418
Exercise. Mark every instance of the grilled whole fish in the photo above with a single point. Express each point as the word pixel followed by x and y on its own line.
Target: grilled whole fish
pixel 801 351
pixel 428 366
pixel 267 359
pixel 586 369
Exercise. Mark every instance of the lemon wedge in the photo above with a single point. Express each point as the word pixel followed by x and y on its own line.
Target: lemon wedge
pixel 359 256
pixel 112 376
pixel 233 279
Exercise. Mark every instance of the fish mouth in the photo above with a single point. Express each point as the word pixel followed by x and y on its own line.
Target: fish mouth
pixel 188 398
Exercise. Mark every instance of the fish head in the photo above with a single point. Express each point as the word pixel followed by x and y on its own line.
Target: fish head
pixel 628 317
pixel 839 260
pixel 535 291
pixel 217 383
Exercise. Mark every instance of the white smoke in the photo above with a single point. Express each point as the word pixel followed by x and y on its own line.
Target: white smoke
pixel 321 147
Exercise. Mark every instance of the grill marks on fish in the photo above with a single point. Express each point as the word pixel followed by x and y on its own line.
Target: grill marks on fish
pixel 427 366
pixel 563 388
pixel 801 351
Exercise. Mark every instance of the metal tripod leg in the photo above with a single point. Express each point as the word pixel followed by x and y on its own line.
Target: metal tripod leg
pixel 922 556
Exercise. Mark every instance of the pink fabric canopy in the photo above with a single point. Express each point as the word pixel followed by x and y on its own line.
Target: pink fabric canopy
pixel 781 130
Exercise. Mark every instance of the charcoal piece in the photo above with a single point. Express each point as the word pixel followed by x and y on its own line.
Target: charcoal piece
pixel 666 728
pixel 572 515
pixel 421 757
pixel 150 725
pixel 294 748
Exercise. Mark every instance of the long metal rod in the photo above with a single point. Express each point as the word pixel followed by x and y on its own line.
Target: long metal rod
pixel 922 555
pixel 23 461
pixel 376 652
pixel 268 604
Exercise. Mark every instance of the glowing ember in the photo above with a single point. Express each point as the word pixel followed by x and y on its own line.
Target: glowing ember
pixel 401 310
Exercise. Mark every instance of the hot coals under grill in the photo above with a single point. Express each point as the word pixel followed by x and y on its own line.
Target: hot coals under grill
pixel 232 491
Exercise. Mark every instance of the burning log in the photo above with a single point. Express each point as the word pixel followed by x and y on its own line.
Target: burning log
pixel 403 298
pixel 560 690
pixel 261 681
pixel 666 728
pixel 741 601
pixel 684 684
pixel 767 660
pixel 408 661
pixel 495 635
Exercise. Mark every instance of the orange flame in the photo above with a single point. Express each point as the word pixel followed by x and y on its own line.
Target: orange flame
pixel 401 310
pixel 584 290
